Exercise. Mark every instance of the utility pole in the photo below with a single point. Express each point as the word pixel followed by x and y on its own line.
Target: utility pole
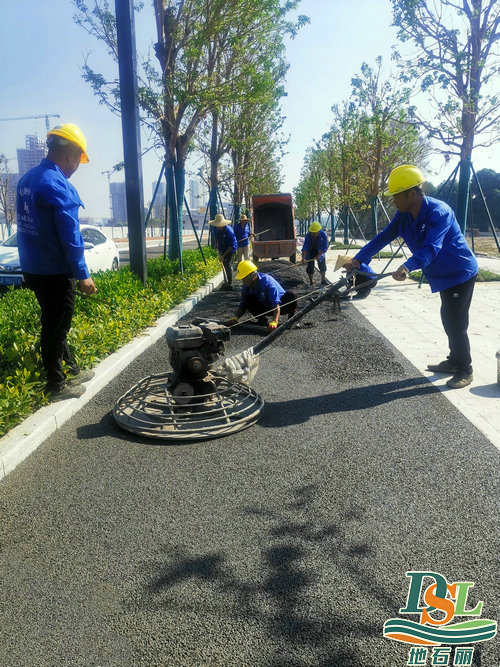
pixel 125 32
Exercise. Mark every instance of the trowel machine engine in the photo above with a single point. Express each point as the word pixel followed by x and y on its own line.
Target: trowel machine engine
pixel 193 351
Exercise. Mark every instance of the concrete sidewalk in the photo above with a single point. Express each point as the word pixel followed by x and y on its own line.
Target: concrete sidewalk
pixel 408 316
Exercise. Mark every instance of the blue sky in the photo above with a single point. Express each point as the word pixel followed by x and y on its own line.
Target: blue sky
pixel 43 52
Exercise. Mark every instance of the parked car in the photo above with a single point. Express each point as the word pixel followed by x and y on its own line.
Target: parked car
pixel 101 254
pixel 273 224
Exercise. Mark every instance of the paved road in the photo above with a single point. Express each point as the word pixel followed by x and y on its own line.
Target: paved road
pixel 284 545
pixel 155 251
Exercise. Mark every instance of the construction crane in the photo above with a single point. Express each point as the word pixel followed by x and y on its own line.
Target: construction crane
pixel 42 115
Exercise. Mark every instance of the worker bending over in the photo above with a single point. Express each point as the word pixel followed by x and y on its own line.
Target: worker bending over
pixel 366 275
pixel 431 232
pixel 314 248
pixel 226 244
pixel 262 293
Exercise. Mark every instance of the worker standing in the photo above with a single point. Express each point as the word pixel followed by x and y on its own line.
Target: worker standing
pixel 431 232
pixel 243 236
pixel 226 245
pixel 314 248
pixel 51 253
pixel 261 293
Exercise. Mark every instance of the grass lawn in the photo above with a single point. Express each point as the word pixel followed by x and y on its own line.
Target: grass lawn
pixel 485 245
pixel 483 276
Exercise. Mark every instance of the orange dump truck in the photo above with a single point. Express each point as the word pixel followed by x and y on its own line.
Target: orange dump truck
pixel 273 224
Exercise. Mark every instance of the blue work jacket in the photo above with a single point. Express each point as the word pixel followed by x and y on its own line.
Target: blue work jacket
pixel 242 234
pixel 225 238
pixel 436 242
pixel 321 245
pixel 267 290
pixel 366 268
pixel 48 231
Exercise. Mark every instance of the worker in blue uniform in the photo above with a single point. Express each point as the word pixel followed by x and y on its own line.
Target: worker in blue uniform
pixel 367 275
pixel 433 236
pixel 314 248
pixel 243 236
pixel 51 253
pixel 226 245
pixel 262 294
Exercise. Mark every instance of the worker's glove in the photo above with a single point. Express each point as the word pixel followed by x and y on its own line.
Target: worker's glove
pixel 401 273
pixel 231 322
pixel 272 325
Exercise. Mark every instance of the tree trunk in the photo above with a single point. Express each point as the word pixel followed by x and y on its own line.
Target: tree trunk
pixel 463 193
pixel 374 215
pixel 346 225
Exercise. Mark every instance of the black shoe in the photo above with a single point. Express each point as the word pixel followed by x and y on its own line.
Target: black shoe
pixel 66 392
pixel 460 380
pixel 82 376
pixel 362 293
pixel 446 367
pixel 226 287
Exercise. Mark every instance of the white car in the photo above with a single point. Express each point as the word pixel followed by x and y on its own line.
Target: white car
pixel 101 254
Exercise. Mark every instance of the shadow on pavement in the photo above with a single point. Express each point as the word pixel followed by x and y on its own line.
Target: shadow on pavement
pixel 290 597
pixel 487 390
pixel 284 413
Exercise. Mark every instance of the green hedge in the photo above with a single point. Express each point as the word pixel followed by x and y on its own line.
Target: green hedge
pixel 123 307
pixel 483 276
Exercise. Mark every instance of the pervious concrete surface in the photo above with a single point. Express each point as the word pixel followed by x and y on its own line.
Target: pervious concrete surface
pixel 285 544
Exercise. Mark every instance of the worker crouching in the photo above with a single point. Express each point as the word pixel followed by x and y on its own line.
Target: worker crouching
pixel 261 294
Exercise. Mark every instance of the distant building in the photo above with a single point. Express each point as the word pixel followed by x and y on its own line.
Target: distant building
pixel 32 155
pixel 195 197
pixel 158 212
pixel 118 202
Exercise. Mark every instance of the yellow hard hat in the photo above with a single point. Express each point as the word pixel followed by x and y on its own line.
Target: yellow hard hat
pixel 314 227
pixel 244 269
pixel 403 178
pixel 72 133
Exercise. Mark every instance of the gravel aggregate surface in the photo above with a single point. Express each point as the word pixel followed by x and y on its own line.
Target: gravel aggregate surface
pixel 285 544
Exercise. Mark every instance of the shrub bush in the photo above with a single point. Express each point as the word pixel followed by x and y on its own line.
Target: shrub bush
pixel 483 276
pixel 122 308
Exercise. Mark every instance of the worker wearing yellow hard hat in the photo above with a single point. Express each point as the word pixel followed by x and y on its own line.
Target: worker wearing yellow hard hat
pixel 263 295
pixel 431 232
pixel 51 253
pixel 403 178
pixel 74 135
pixel 314 249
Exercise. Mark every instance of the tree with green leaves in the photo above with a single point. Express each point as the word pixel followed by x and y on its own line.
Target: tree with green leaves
pixel 344 159
pixel 388 134
pixel 256 148
pixel 456 64
pixel 200 52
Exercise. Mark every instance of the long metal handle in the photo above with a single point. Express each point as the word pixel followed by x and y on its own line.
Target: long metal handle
pixel 331 289
pixel 270 338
